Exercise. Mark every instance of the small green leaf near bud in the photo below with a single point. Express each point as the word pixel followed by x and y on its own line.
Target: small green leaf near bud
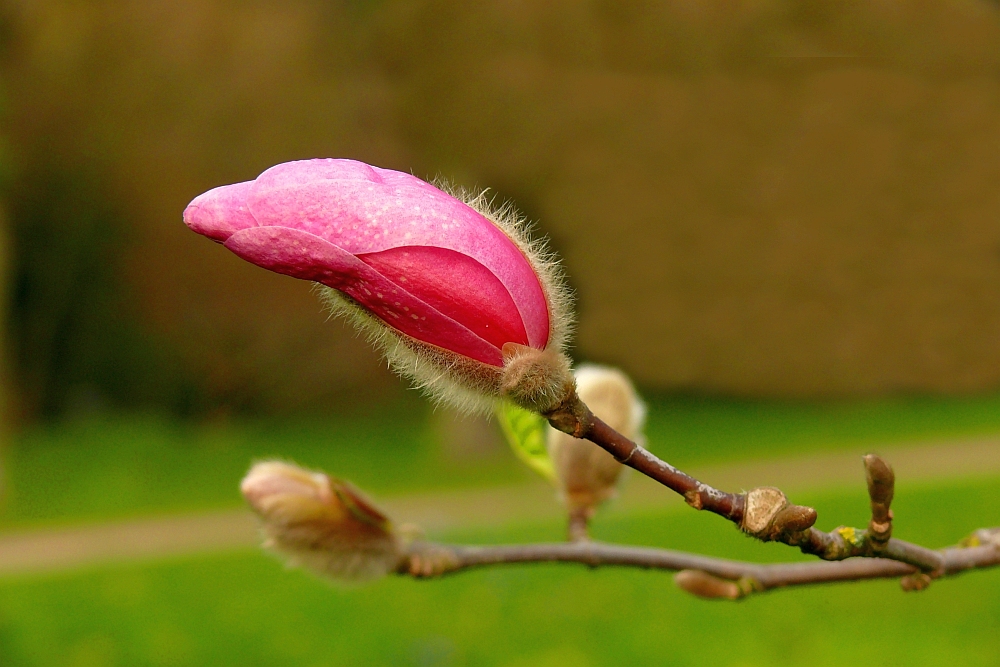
pixel 525 432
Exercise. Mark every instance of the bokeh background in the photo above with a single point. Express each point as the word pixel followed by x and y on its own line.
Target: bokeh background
pixel 780 217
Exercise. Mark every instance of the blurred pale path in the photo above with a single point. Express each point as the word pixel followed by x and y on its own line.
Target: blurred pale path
pixel 52 550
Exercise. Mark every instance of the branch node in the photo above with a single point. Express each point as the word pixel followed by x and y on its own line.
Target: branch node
pixel 763 505
pixel 982 537
pixel 769 516
pixel 881 484
pixel 693 498
pixel 425 560
pixel 750 585
pixel 917 581
pixel 570 415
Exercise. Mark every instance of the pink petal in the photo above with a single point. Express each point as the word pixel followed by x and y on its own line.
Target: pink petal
pixel 432 274
pixel 300 172
pixel 220 211
pixel 366 210
pixel 303 255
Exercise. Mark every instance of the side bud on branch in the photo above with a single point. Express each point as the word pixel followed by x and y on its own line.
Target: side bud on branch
pixel 586 474
pixel 321 524
pixel 443 286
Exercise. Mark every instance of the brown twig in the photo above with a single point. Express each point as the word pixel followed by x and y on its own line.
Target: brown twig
pixel 575 418
pixel 763 512
pixel 578 525
pixel 705 576
pixel 328 526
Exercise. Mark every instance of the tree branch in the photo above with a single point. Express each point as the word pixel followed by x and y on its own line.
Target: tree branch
pixel 328 526
pixel 704 576
pixel 572 416
pixel 763 512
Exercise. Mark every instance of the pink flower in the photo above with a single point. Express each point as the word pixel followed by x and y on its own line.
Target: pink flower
pixel 423 262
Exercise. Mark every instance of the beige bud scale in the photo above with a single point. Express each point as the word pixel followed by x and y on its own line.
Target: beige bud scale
pixel 586 474
pixel 321 524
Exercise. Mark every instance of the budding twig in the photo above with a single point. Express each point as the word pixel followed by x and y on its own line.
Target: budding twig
pixel 704 576
pixel 881 483
pixel 763 512
pixel 573 417
pixel 846 542
pixel 329 527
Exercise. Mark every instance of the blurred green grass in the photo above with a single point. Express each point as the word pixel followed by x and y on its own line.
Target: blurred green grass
pixel 111 466
pixel 245 609
pixel 106 467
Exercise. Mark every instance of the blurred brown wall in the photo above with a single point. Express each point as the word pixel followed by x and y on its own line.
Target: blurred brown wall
pixel 762 198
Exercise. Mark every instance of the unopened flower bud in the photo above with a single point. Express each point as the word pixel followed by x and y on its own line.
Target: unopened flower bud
pixel 536 379
pixel 587 475
pixel 707 586
pixel 321 524
pixel 440 284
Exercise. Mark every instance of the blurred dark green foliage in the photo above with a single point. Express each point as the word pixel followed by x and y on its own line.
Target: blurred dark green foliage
pixel 76 343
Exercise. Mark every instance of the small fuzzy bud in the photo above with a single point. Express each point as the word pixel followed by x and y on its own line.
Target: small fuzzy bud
pixel 881 479
pixel 538 380
pixel 707 586
pixel 768 515
pixel 795 518
pixel 321 524
pixel 586 474
pixel 441 285
pixel 918 581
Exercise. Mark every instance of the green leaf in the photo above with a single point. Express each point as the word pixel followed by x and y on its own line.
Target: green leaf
pixel 525 432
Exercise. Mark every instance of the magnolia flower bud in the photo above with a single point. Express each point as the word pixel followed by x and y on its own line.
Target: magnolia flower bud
pixel 441 285
pixel 586 474
pixel 321 524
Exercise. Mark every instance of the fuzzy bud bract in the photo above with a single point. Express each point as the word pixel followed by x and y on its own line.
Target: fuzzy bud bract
pixel 586 474
pixel 439 283
pixel 321 524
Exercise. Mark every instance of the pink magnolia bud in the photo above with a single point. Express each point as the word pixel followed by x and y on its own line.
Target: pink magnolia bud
pixel 417 266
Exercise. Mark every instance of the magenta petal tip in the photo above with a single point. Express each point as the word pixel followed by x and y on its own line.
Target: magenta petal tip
pixel 220 212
